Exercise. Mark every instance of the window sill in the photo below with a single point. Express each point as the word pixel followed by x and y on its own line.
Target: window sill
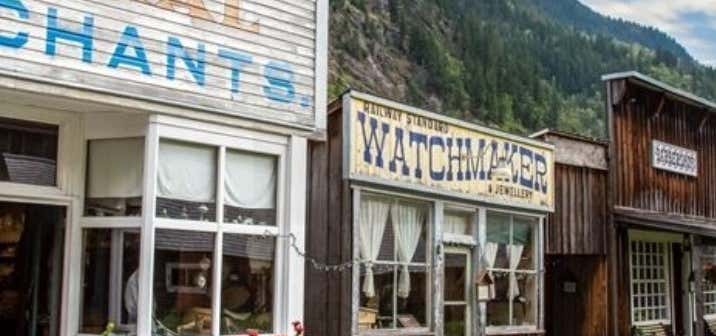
pixel 514 331
pixel 395 332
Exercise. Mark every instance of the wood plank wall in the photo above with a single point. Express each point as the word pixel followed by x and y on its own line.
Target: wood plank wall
pixel 583 312
pixel 641 115
pixel 329 235
pixel 578 225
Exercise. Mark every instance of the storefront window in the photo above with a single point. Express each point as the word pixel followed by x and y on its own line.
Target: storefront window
pixel 183 282
pixel 650 287
pixel 250 188
pixel 109 280
pixel 394 276
pixel 28 152
pixel 247 288
pixel 510 253
pixel 114 177
pixel 708 269
pixel 456 294
pixel 186 181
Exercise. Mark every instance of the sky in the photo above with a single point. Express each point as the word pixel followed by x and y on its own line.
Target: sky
pixel 691 22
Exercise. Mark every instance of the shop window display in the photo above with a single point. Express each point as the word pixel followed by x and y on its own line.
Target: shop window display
pixel 250 188
pixel 115 177
pixel 510 255
pixel 394 278
pixel 28 152
pixel 110 280
pixel 186 181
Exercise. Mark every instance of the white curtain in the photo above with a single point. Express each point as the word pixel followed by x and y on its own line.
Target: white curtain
pixel 187 172
pixel 515 256
pixel 115 168
pixel 371 224
pixel 408 226
pixel 490 252
pixel 250 180
pixel 456 224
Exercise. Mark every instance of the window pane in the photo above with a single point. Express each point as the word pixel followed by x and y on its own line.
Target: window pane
pixel 412 304
pixel 183 281
pixel 376 307
pixel 28 152
pixel 525 303
pixel 250 188
pixel 247 288
pixel 186 181
pixel 455 320
pixel 649 281
pixel 498 240
pixel 525 230
pixel 455 274
pixel 498 309
pixel 457 222
pixel 109 285
pixel 114 177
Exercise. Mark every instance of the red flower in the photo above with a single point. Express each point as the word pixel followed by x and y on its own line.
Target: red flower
pixel 252 332
pixel 298 328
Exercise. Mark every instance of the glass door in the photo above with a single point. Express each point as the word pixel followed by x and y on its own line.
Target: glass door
pixel 457 283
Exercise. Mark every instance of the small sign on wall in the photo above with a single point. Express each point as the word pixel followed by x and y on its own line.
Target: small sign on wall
pixel 674 159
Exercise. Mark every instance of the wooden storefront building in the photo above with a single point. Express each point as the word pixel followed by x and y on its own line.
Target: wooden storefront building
pixel 428 225
pixel 630 248
pixel 575 238
pixel 662 192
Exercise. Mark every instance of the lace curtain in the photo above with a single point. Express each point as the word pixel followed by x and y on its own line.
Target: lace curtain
pixel 250 180
pixel 408 226
pixel 372 219
pixel 187 172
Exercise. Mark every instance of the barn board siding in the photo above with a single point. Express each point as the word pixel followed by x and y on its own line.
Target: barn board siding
pixel 637 123
pixel 277 38
pixel 578 225
pixel 330 235
pixel 583 312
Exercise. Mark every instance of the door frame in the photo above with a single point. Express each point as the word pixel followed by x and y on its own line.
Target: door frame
pixel 467 252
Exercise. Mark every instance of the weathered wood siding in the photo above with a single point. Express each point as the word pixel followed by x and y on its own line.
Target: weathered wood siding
pixel 579 224
pixel 580 312
pixel 252 58
pixel 329 235
pixel 640 115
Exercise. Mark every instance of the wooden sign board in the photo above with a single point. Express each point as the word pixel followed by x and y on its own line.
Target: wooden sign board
pixel 674 159
pixel 260 59
pixel 400 146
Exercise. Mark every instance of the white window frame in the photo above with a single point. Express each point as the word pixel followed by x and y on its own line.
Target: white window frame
pixel 291 154
pixel 466 251
pixel 538 272
pixel 659 238
pixel 358 194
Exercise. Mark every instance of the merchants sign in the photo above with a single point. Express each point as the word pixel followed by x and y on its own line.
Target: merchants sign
pixel 395 144
pixel 249 58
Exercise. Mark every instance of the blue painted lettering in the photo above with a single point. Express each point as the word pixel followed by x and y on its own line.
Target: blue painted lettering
pixel 373 138
pixel 56 32
pixel 436 142
pixel 279 76
pixel 526 167
pixel 418 139
pixel 399 154
pixel 475 161
pixel 237 60
pixel 454 157
pixel 130 38
pixel 20 39
pixel 197 67
pixel 541 172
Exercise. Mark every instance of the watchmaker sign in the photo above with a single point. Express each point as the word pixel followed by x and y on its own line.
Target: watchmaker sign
pixel 674 159
pixel 253 58
pixel 405 147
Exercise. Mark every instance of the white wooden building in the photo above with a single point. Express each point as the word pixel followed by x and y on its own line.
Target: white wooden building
pixel 153 163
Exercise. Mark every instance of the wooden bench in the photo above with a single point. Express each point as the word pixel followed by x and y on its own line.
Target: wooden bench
pixel 654 330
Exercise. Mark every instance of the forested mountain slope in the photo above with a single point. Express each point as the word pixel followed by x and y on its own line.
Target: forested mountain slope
pixel 520 65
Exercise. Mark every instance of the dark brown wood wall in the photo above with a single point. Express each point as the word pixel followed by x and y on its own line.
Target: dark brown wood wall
pixel 641 115
pixel 329 235
pixel 578 225
pixel 583 312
